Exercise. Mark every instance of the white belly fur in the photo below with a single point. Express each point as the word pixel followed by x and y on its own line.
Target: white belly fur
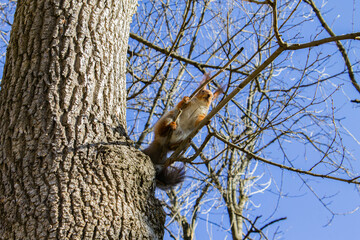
pixel 186 121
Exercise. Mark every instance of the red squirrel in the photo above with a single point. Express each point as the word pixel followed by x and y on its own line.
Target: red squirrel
pixel 193 112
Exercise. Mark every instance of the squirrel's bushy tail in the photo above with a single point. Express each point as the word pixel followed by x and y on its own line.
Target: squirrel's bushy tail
pixel 166 177
pixel 170 176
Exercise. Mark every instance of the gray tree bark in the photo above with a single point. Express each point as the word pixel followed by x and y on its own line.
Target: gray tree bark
pixel 66 170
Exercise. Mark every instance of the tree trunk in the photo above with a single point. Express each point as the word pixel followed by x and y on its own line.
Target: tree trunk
pixel 66 169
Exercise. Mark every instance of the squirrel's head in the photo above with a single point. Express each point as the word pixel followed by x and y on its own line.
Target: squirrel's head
pixel 205 96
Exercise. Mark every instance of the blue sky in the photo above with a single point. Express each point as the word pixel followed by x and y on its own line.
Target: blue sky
pixel 307 217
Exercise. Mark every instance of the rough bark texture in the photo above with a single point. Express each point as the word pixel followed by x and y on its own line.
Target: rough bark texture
pixel 66 169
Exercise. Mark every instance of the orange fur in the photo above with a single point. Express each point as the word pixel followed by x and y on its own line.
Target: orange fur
pixel 218 91
pixel 200 117
pixel 173 125
pixel 183 102
pixel 162 129
pixel 163 126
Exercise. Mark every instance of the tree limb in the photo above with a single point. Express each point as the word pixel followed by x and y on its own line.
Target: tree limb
pixel 297 46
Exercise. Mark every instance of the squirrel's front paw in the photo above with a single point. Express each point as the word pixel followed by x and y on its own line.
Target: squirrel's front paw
pixel 173 125
pixel 186 100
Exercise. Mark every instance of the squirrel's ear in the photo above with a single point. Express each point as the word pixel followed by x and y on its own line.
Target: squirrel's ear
pixel 218 91
pixel 204 79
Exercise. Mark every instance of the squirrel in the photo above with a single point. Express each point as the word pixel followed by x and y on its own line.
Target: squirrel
pixel 193 112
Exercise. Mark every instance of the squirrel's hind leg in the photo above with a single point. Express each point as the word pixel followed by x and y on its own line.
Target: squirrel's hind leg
pixel 165 124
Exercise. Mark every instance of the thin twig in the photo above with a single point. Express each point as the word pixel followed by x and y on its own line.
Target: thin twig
pixel 338 44
pixel 200 66
pixel 217 73
pixel 353 180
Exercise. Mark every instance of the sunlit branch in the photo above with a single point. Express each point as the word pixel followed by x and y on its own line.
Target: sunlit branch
pixel 297 46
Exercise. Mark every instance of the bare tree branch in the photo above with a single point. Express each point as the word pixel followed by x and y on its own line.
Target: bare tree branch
pixel 338 44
